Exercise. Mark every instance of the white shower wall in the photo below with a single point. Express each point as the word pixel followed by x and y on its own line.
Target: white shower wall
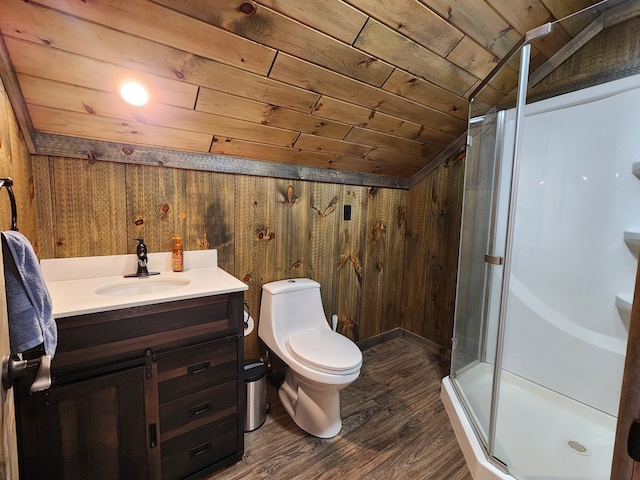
pixel 577 196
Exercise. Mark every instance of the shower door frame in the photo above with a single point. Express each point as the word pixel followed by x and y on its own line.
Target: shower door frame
pixel 525 55
pixel 524 49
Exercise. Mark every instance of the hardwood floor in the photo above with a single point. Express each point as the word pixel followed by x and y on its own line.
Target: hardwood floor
pixel 394 427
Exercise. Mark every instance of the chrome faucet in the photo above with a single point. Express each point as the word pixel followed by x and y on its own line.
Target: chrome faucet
pixel 141 253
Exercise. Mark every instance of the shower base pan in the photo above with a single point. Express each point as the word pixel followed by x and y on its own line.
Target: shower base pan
pixel 540 433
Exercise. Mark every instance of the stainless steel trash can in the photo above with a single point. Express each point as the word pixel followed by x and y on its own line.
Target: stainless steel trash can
pixel 255 380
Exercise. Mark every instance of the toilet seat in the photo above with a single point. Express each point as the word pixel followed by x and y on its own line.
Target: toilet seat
pixel 325 350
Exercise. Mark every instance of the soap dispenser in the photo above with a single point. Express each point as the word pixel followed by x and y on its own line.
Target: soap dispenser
pixel 177 259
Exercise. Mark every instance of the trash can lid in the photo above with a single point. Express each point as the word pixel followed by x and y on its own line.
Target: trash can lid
pixel 254 370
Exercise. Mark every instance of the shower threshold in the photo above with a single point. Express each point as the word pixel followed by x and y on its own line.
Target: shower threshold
pixel 539 433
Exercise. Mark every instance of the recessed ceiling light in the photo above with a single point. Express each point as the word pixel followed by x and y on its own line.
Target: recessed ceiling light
pixel 134 93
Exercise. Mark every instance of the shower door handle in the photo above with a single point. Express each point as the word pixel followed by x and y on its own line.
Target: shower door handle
pixel 493 260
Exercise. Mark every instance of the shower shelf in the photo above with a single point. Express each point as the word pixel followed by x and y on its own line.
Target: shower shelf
pixel 624 301
pixel 636 169
pixel 632 239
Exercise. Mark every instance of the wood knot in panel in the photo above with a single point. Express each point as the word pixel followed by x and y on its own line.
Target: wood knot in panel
pixel 265 234
pixel 377 231
pixel 289 197
pixel 328 210
pixel 204 241
pixel 247 8
pixel 355 262
pixel 400 216
pixel 349 327
pixel 164 211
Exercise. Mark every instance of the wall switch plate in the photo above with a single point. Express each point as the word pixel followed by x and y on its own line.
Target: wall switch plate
pixel 347 212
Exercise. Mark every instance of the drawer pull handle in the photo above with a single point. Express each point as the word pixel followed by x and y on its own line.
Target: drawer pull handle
pixel 199 409
pixel 199 368
pixel 153 436
pixel 199 450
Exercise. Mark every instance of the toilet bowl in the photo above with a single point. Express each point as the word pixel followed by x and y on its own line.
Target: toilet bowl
pixel 321 362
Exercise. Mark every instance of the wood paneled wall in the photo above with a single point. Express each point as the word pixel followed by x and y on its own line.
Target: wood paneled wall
pixel 612 54
pixel 15 162
pixel 264 229
pixel 431 252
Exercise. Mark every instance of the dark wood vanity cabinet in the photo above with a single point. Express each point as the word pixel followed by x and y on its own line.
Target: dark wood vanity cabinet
pixel 94 428
pixel 151 392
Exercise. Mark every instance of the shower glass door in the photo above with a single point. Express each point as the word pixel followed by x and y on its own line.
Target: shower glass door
pixel 479 325
pixel 479 269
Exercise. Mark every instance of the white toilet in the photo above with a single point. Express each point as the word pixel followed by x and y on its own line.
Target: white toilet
pixel 321 362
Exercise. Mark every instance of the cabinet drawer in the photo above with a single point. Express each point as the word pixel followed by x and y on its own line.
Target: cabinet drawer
pixel 198 409
pixel 194 369
pixel 194 452
pixel 98 340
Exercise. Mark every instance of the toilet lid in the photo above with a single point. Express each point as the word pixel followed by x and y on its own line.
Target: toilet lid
pixel 324 349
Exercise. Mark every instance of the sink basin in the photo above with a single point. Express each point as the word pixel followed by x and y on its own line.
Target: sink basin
pixel 142 286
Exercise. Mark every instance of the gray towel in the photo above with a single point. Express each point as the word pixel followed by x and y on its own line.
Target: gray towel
pixel 31 320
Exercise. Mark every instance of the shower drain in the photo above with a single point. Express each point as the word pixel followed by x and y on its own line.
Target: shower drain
pixel 578 447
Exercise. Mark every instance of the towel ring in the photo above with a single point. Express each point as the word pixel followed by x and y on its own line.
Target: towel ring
pixel 10 367
pixel 8 183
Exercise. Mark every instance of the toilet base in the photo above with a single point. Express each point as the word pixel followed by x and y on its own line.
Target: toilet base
pixel 315 411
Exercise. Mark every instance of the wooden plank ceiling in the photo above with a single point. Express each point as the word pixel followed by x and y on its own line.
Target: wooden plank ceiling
pixel 369 86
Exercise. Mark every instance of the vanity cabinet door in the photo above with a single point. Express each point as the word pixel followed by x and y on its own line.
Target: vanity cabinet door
pixel 93 429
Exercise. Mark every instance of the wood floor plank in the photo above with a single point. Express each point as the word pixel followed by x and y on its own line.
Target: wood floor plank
pixel 394 425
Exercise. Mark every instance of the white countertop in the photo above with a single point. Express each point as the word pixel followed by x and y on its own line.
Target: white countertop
pixel 73 282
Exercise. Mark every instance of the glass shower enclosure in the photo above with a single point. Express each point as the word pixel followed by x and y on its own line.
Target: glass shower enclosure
pixel 541 311
pixel 478 332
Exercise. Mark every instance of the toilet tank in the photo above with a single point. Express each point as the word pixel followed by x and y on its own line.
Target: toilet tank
pixel 288 306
